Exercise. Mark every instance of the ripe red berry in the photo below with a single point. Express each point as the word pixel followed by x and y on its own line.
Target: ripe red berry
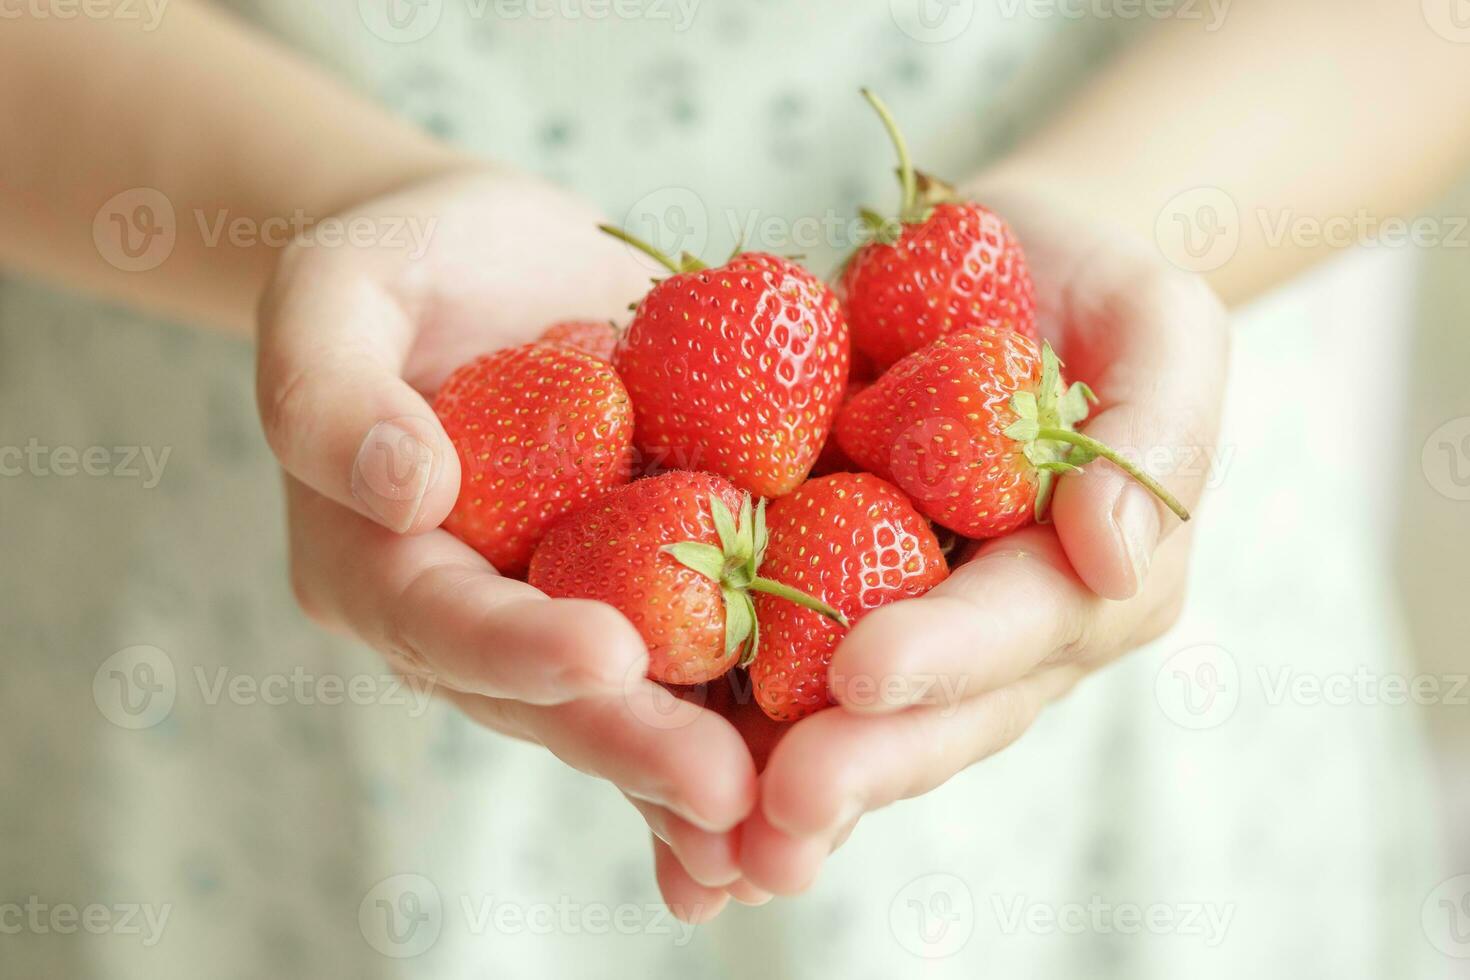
pixel 832 459
pixel 539 430
pixel 853 541
pixel 975 428
pixel 736 370
pixel 671 555
pixel 595 337
pixel 946 265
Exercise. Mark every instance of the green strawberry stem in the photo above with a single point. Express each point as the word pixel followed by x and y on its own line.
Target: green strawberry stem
pixel 687 262
pixel 1095 448
pixel 799 597
pixel 908 210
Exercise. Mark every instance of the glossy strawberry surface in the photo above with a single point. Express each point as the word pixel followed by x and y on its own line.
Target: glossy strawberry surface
pixel 935 423
pixel 612 550
pixel 960 268
pixel 595 337
pixel 737 370
pixel 853 541
pixel 539 430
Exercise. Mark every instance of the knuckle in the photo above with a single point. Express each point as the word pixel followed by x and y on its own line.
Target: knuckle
pixel 283 410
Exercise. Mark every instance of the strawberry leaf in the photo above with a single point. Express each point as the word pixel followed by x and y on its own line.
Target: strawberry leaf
pixel 1023 403
pixel 739 618
pixel 724 525
pixel 1046 481
pixel 1023 430
pixel 762 538
pixel 755 634
pixel 705 559
pixel 1076 404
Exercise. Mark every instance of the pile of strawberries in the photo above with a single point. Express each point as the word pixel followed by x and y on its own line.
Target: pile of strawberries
pixel 919 388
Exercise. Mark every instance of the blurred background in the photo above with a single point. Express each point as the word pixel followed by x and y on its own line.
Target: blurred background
pixel 1189 773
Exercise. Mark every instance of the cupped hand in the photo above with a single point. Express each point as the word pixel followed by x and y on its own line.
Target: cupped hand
pixel 354 339
pixel 930 686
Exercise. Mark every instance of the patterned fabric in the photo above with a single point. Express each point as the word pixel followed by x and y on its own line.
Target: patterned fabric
pixel 236 794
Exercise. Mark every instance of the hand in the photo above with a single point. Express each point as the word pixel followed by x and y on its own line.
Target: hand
pixel 965 669
pixel 352 342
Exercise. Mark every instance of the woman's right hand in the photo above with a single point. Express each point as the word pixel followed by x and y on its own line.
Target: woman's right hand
pixel 353 340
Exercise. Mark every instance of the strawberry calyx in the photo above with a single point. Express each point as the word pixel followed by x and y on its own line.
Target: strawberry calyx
pixel 685 262
pixel 734 565
pixel 1045 425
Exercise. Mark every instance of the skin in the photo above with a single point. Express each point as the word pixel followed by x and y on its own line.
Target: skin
pixel 355 337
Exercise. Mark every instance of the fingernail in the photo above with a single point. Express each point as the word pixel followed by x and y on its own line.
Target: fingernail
pixel 391 474
pixel 747 894
pixel 1137 518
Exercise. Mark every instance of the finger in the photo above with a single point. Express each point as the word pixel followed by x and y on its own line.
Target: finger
pixel 835 765
pixel 336 411
pixel 746 893
pixel 700 770
pixel 779 863
pixel 709 858
pixel 689 900
pixel 1015 608
pixel 1154 347
pixel 437 609
pixel 1017 604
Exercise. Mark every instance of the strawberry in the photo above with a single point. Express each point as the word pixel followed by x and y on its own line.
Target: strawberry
pixel 832 459
pixel 539 429
pixel 945 265
pixel 669 553
pixel 595 337
pixel 853 541
pixel 975 428
pixel 736 370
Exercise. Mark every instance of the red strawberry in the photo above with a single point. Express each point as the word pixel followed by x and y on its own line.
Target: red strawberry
pixel 595 337
pixel 737 370
pixel 832 458
pixel 853 541
pixel 539 429
pixel 975 428
pixel 946 265
pixel 669 553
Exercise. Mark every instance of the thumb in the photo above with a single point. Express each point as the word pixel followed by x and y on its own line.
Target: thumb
pixel 336 411
pixel 1160 394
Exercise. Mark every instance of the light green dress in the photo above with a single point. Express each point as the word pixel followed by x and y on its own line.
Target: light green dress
pixel 1176 817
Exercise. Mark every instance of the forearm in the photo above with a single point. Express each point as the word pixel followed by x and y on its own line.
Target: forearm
pixel 1300 109
pixel 217 120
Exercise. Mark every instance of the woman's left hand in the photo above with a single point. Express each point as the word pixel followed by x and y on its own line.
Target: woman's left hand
pixel 933 685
